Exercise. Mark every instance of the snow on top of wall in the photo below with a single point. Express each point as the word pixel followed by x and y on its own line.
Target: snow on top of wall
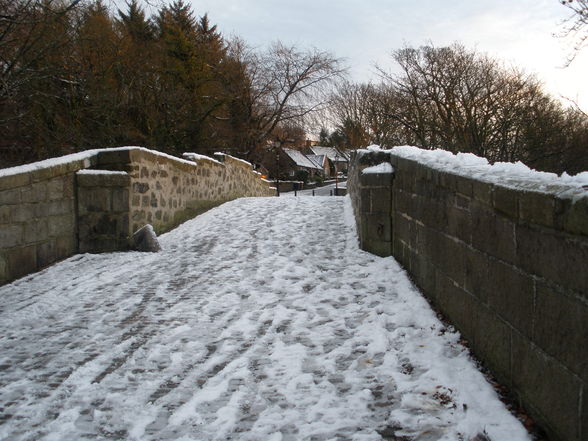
pixel 235 158
pixel 384 167
pixel 48 163
pixel 514 175
pixel 195 157
pixel 100 172
pixel 84 156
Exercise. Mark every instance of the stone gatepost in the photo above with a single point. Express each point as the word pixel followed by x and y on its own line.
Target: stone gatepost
pixel 103 210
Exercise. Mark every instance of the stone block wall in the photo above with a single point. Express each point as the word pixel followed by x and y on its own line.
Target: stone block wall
pixel 37 216
pixel 103 210
pixel 166 191
pixel 93 201
pixel 507 266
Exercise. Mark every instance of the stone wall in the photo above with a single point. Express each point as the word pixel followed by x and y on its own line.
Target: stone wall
pixel 103 210
pixel 165 191
pixel 37 215
pixel 92 201
pixel 507 266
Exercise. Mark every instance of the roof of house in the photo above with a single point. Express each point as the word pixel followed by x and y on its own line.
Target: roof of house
pixel 331 152
pixel 318 159
pixel 301 160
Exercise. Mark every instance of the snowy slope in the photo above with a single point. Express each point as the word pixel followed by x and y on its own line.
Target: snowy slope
pixel 260 320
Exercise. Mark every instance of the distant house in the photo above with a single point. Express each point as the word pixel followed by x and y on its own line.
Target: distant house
pixel 323 162
pixel 339 159
pixel 300 162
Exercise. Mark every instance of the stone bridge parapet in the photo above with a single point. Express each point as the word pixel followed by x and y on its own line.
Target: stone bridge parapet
pixel 502 252
pixel 93 201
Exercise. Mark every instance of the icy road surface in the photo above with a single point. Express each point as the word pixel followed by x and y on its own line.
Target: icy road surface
pixel 261 320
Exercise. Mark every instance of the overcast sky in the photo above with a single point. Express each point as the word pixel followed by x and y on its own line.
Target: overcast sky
pixel 365 32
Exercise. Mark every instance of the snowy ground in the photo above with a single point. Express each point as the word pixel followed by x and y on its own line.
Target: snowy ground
pixel 326 190
pixel 260 320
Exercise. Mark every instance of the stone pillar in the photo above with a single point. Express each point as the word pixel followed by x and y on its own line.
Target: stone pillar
pixel 103 211
pixel 371 195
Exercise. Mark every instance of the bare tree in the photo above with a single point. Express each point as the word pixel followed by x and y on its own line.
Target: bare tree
pixel 576 26
pixel 285 85
pixel 24 29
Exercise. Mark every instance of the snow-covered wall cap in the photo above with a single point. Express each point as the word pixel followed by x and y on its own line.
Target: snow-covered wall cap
pixel 513 175
pixel 153 152
pixel 195 157
pixel 384 167
pixel 88 171
pixel 83 156
pixel 235 159
pixel 48 163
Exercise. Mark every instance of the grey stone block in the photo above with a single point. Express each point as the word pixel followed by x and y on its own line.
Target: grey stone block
pixel 36 231
pixel 120 200
pixel 465 186
pixel 378 226
pixel 505 201
pixel 94 199
pixel 46 254
pixel 561 329
pixel 511 295
pixel 10 236
pixel 4 276
pixel 65 246
pixel 398 247
pixel 403 228
pixel 430 213
pixel 448 180
pixel 404 181
pixel 103 180
pixel 376 179
pixel 145 239
pixel 45 174
pixel 54 208
pixel 449 256
pixel 537 208
pixel 477 278
pixel 15 181
pixel 372 158
pixel 34 193
pixel 403 202
pixel 10 197
pixel 551 392
pixel 572 216
pixel 380 248
pixel 584 416
pixel 424 273
pixel 60 225
pixel 381 200
pixel 107 157
pixel 6 214
pixel 56 188
pixel 456 304
pixel 554 256
pixel 482 192
pixel 493 234
pixel 492 343
pixel 459 224
pixel 140 187
pixel 23 212
pixel 462 202
pixel 21 261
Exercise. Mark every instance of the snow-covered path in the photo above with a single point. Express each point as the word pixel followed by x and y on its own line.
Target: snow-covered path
pixel 260 320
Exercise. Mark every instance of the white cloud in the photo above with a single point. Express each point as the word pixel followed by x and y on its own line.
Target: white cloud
pixel 365 33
